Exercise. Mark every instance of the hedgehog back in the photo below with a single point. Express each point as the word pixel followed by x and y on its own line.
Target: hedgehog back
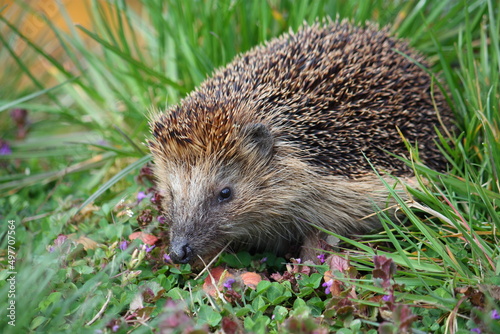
pixel 339 92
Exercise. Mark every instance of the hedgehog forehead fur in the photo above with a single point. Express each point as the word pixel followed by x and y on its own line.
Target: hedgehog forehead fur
pixel 197 131
pixel 298 124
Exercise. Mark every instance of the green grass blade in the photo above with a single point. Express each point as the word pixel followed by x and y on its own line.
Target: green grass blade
pixel 114 179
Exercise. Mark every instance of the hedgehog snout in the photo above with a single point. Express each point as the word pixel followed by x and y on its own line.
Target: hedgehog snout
pixel 180 251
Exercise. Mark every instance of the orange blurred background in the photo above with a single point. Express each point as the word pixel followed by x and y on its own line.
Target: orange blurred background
pixel 26 16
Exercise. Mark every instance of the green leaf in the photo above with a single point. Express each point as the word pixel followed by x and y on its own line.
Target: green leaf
pixel 242 311
pixel 53 298
pixel 84 270
pixel 345 331
pixel 207 314
pixel 259 304
pixel 263 286
pixel 280 313
pixel 277 294
pixel 39 320
pixel 298 303
pixel 313 281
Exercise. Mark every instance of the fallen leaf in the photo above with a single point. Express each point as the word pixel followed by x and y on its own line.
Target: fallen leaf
pixel 220 275
pixel 137 302
pixel 86 242
pixel 148 239
pixel 328 276
pixel 250 279
pixel 217 275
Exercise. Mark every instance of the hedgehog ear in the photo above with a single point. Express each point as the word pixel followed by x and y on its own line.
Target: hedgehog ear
pixel 258 138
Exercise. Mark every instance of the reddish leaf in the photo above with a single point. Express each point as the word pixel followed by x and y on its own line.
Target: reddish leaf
pixel 404 317
pixel 250 279
pixel 384 269
pixel 336 262
pixel 231 326
pixel 218 275
pixel 148 239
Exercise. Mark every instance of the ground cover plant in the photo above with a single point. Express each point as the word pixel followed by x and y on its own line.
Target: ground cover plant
pixel 83 246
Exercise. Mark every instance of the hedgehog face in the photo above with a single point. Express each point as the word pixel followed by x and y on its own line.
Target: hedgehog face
pixel 199 209
pixel 209 202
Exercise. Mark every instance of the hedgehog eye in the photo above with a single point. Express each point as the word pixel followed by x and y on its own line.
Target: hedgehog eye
pixel 225 194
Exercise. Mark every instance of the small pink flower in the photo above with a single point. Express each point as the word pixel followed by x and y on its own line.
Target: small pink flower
pixel 141 195
pixel 61 238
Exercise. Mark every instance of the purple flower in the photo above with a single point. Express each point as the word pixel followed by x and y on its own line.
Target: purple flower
pixel 386 298
pixel 321 257
pixel 102 142
pixel 263 260
pixel 327 285
pixel 229 283
pixel 167 258
pixel 115 328
pixel 141 195
pixel 162 220
pixel 148 248
pixel 475 330
pixel 123 245
pixel 495 315
pixel 5 148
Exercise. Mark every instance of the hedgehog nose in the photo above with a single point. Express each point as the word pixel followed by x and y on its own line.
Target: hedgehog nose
pixel 180 252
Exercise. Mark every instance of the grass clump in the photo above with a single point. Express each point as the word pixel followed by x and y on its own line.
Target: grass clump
pixel 76 185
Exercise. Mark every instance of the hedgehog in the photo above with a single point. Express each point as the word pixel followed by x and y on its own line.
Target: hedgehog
pixel 284 141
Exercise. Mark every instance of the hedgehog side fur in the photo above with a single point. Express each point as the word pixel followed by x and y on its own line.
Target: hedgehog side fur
pixel 286 130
